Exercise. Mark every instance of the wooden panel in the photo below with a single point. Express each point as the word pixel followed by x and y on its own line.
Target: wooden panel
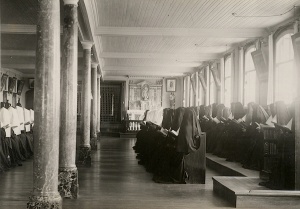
pixel 191 13
pixel 148 62
pixel 158 44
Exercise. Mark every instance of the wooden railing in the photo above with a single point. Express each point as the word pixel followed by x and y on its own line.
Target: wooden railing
pixel 132 125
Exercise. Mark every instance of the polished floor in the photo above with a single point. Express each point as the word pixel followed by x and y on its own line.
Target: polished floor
pixel 115 180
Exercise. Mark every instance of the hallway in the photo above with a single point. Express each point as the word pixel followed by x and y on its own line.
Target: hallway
pixel 115 180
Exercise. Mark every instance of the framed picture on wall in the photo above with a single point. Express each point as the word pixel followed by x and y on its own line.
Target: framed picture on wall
pixel 4 96
pixel 4 82
pixel 171 84
pixel 12 83
pixel 20 86
pixel 31 83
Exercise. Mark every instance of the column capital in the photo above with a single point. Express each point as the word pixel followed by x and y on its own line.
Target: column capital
pixel 94 65
pixel 87 44
pixel 74 2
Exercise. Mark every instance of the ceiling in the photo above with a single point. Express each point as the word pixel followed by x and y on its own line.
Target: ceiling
pixel 149 37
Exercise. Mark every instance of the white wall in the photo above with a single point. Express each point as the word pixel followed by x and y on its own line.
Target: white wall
pixel 178 94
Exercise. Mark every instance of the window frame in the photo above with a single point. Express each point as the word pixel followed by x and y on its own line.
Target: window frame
pixel 226 77
pixel 214 93
pixel 250 47
pixel 277 37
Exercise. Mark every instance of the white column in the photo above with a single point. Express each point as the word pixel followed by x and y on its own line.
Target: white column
pixel 94 110
pixel 68 174
pixel 99 103
pixel 46 108
pixel 85 147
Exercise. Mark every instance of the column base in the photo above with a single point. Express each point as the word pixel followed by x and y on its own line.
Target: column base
pixel 94 143
pixel 84 157
pixel 45 202
pixel 99 135
pixel 68 183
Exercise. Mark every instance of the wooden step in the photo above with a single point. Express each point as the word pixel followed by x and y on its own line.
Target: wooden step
pixel 226 168
pixel 245 192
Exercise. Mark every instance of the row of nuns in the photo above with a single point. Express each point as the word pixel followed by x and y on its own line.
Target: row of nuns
pixel 171 145
pixel 260 138
pixel 16 139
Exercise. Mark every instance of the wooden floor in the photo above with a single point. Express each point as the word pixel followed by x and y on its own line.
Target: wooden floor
pixel 115 180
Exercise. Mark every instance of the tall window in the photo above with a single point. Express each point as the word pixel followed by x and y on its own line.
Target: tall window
pixel 212 89
pixel 184 92
pixel 227 82
pixel 285 74
pixel 250 77
pixel 191 93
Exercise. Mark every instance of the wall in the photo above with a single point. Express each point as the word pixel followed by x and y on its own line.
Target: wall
pixel 19 76
pixel 178 94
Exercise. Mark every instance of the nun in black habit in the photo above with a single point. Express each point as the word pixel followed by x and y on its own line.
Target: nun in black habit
pixel 188 141
pixel 169 164
pixel 254 158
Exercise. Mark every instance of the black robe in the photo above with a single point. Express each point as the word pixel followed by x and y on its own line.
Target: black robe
pixel 189 134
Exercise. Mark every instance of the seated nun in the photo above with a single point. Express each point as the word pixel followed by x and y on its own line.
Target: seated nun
pixel 31 118
pixel 27 143
pixel 218 138
pixel 169 166
pixel 159 145
pixel 24 150
pixel 188 142
pixel 283 169
pixel 224 127
pixel 236 132
pixel 15 140
pixel 27 120
pixel 254 158
pixel 5 140
pixel 209 125
pixel 154 120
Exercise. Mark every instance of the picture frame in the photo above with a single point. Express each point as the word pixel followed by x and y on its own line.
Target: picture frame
pixel 4 78
pixel 31 83
pixel 4 96
pixel 12 82
pixel 20 85
pixel 171 84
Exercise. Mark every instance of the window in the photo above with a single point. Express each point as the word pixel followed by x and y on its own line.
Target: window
pixel 184 92
pixel 285 74
pixel 212 89
pixel 227 82
pixel 250 77
pixel 191 92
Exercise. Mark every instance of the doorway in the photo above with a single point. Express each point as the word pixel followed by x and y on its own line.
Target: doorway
pixel 111 107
